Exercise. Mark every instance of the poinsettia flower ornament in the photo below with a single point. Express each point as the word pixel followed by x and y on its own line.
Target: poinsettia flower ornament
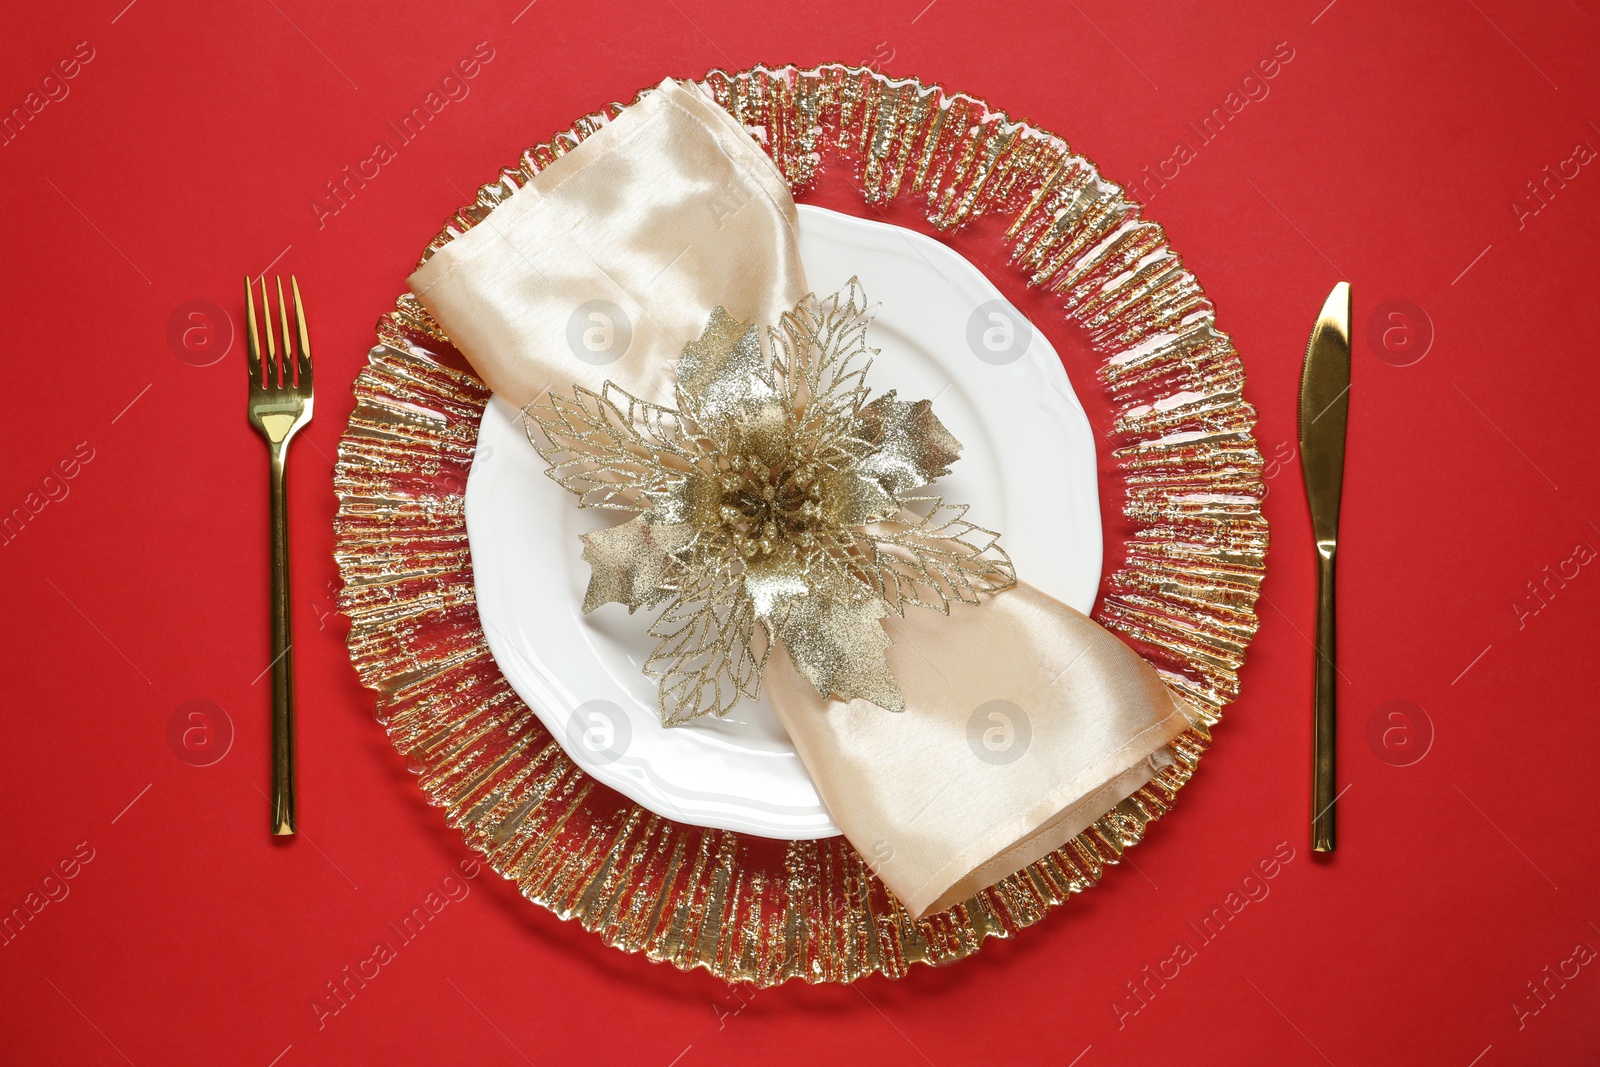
pixel 774 504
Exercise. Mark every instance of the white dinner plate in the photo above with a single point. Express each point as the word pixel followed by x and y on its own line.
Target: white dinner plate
pixel 1027 468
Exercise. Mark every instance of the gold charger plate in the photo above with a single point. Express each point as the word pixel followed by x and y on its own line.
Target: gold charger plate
pixel 746 908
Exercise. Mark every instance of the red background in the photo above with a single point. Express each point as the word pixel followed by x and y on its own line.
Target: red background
pixel 1390 150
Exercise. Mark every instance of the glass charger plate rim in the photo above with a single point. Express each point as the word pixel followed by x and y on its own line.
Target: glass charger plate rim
pixel 697 898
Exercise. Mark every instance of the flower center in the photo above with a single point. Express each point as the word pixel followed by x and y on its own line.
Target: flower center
pixel 768 506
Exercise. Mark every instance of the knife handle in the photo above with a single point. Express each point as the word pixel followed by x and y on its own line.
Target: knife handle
pixel 1323 732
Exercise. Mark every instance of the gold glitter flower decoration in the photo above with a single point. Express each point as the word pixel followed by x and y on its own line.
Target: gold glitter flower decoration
pixel 774 504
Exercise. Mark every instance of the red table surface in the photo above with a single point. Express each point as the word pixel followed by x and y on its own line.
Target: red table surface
pixel 1442 154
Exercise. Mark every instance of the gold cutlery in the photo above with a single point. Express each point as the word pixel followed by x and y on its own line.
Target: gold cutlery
pixel 279 405
pixel 1324 407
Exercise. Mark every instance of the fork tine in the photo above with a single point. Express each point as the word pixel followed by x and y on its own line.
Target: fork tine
pixel 304 365
pixel 266 329
pixel 252 344
pixel 284 335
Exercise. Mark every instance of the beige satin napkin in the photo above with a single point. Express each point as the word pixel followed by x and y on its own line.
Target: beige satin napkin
pixel 610 260
pixel 1025 721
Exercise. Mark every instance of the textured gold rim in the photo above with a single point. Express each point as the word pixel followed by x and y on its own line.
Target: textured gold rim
pixel 744 908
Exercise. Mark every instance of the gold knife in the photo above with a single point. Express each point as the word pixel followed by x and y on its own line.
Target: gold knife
pixel 1324 405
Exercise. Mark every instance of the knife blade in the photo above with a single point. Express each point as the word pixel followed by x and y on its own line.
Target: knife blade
pixel 1324 410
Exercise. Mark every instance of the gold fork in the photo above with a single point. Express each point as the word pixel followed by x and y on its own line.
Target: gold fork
pixel 280 404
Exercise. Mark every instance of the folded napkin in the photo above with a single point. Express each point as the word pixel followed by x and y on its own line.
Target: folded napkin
pixel 637 233
pixel 1024 720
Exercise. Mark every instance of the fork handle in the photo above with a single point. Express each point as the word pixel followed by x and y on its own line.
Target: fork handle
pixel 1323 738
pixel 283 763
